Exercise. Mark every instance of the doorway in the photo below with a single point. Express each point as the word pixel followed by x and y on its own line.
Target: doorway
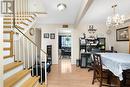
pixel 64 44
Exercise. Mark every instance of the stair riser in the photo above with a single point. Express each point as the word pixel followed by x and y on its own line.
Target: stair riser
pixel 13 71
pixel 5 53
pixel 6 44
pixel 9 23
pixel 9 60
pixel 6 36
pixel 19 83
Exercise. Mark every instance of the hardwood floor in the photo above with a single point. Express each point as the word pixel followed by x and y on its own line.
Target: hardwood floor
pixel 67 75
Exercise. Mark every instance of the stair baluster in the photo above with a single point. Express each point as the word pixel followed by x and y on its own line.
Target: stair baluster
pixel 19 42
pixel 46 69
pixel 24 53
pixel 36 63
pixel 28 54
pixel 41 68
pixel 23 11
pixel 32 58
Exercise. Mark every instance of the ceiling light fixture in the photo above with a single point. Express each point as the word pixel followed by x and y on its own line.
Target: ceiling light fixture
pixel 116 19
pixel 91 30
pixel 61 6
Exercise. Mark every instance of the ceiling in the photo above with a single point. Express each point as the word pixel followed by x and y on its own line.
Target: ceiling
pixel 36 5
pixel 101 9
pixel 68 16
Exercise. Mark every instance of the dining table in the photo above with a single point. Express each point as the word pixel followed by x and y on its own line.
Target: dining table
pixel 116 63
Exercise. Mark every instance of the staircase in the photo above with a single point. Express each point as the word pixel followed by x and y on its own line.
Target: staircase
pixel 20 52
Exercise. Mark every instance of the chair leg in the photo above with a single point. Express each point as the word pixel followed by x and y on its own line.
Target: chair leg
pixel 108 78
pixel 94 75
pixel 124 79
pixel 100 83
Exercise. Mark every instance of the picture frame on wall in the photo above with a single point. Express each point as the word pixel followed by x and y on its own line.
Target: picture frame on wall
pixel 122 34
pixel 52 35
pixel 46 35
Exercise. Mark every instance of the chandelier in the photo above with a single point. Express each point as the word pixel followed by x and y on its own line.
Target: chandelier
pixel 91 30
pixel 116 19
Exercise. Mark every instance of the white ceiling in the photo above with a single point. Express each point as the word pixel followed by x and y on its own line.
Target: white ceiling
pixel 36 6
pixel 101 9
pixel 68 16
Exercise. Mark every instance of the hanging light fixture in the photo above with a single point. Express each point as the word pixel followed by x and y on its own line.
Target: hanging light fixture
pixel 61 6
pixel 91 30
pixel 116 19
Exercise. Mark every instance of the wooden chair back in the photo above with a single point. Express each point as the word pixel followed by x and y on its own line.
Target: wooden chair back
pixel 97 64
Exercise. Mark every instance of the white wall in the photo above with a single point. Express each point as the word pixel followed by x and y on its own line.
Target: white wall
pixel 83 28
pixel 76 33
pixel 52 28
pixel 120 46
pixel 47 41
pixel 1 50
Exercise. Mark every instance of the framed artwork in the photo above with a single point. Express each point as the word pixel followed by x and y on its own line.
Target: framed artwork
pixel 122 34
pixel 46 35
pixel 52 36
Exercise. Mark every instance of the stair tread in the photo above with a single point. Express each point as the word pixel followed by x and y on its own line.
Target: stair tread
pixel 8 18
pixel 7 31
pixel 6 48
pixel 12 22
pixel 19 27
pixel 7 40
pixel 39 85
pixel 29 20
pixel 25 23
pixel 30 82
pixel 17 23
pixel 11 66
pixel 9 82
pixel 7 26
pixel 8 56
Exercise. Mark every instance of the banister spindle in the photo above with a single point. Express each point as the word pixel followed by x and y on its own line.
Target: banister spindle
pixel 15 8
pixel 32 59
pixel 45 70
pixel 24 8
pixel 15 46
pixel 19 42
pixel 36 63
pixel 24 54
pixel 20 11
pixel 28 53
pixel 27 8
pixel 41 67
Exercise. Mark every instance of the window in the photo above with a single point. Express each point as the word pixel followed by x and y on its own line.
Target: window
pixel 66 41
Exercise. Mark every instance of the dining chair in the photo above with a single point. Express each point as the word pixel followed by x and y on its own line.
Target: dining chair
pixel 93 51
pixel 101 72
pixel 126 78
